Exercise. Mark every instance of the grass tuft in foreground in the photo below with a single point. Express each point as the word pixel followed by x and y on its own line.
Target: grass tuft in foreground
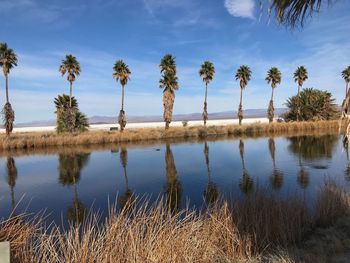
pixel 258 228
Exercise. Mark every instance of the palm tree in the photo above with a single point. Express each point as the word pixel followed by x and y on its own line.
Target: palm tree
pixel 346 76
pixel 8 59
pixel 300 76
pixel 121 72
pixel 243 75
pixel 169 83
pixel 273 77
pixel 71 67
pixel 211 192
pixel 62 102
pixel 207 73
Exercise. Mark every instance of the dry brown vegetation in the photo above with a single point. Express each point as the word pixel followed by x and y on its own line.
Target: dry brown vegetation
pixel 41 140
pixel 258 228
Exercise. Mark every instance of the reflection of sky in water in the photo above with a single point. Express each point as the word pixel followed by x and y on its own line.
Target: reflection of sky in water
pixel 102 177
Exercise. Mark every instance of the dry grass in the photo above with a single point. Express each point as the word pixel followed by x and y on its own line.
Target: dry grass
pixel 42 140
pixel 259 228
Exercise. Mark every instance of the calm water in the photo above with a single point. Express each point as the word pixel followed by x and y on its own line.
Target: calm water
pixel 64 179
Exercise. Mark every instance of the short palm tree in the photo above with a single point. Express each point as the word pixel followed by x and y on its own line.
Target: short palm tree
pixel 207 73
pixel 346 76
pixel 121 73
pixel 71 67
pixel 8 59
pixel 300 76
pixel 243 75
pixel 169 83
pixel 273 77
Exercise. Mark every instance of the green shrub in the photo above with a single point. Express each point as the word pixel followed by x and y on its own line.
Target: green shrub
pixel 69 119
pixel 314 105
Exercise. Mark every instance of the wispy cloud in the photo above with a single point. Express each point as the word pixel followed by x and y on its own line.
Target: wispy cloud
pixel 239 8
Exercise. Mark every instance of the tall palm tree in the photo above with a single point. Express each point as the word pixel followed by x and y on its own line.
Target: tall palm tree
pixel 207 73
pixel 121 72
pixel 300 76
pixel 346 76
pixel 71 67
pixel 243 75
pixel 273 77
pixel 8 59
pixel 211 192
pixel 169 83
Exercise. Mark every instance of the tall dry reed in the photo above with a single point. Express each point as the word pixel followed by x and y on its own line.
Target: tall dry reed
pixel 259 228
pixel 43 140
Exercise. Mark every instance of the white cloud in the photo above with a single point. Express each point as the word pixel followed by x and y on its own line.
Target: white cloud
pixel 239 8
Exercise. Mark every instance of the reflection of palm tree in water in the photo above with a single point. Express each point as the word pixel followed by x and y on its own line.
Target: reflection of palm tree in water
pixel 211 192
pixel 11 179
pixel 246 183
pixel 173 188
pixel 346 148
pixel 70 166
pixel 303 176
pixel 277 176
pixel 127 199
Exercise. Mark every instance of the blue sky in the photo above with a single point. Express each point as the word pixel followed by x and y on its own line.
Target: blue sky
pixel 228 33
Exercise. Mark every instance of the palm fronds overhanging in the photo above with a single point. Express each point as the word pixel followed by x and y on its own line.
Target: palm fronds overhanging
pixel 207 73
pixel 292 12
pixel 169 83
pixel 8 60
pixel 273 77
pixel 121 73
pixel 243 75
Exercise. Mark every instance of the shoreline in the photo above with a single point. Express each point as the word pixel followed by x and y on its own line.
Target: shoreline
pixel 35 140
pixel 138 125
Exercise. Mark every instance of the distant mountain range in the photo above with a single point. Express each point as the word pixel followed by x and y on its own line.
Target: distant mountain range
pixel 249 113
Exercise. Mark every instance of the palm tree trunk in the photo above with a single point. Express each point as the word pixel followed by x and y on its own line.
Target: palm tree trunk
pixel 7 88
pixel 346 89
pixel 70 93
pixel 205 112
pixel 298 110
pixel 240 110
pixel 122 97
